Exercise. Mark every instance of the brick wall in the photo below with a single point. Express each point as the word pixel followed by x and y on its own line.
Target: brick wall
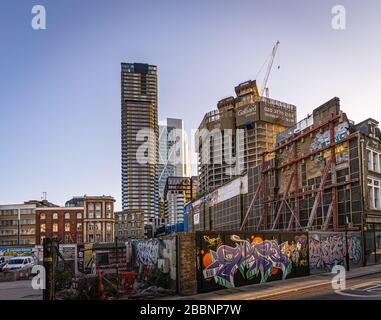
pixel 187 282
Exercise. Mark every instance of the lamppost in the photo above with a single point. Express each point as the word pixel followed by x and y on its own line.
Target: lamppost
pixel 346 243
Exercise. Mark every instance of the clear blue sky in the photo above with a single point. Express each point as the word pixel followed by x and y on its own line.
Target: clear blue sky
pixel 60 87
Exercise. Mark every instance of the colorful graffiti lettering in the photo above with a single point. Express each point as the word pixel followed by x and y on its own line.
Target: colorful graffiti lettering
pixel 326 251
pixel 258 258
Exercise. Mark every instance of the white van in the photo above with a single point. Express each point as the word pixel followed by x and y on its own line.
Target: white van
pixel 19 263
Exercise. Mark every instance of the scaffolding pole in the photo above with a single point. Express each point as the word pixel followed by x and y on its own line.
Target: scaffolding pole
pixel 276 221
pixel 319 193
pixel 251 203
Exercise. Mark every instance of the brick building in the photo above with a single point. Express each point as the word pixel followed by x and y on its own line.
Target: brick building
pixel 65 223
pixel 324 173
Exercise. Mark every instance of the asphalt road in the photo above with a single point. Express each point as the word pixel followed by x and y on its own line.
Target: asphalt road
pixel 362 288
pixel 19 290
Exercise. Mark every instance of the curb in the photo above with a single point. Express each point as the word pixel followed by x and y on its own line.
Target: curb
pixel 309 286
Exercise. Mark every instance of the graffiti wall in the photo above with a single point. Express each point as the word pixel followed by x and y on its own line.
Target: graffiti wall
pixel 327 249
pixel 227 260
pixel 151 254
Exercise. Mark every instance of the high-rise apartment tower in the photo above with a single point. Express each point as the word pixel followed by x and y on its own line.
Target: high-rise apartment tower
pixel 140 133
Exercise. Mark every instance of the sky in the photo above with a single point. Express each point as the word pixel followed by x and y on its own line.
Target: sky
pixel 60 87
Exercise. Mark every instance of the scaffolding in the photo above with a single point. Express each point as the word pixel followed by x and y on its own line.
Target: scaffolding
pixel 284 197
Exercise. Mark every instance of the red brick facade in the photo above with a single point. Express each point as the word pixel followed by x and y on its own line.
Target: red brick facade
pixel 65 223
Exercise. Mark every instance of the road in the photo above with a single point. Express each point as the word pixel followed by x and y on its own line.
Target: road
pixel 367 287
pixel 19 290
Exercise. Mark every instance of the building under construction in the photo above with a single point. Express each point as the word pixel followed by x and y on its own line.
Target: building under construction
pixel 324 173
pixel 231 138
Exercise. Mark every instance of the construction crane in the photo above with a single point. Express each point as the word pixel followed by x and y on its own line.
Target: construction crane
pixel 269 67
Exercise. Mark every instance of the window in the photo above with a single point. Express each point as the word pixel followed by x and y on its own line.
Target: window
pixel 90 209
pixel 374 195
pixel 91 226
pixel 55 227
pixel 108 227
pixel 67 216
pixel 98 210
pixel 55 216
pixel 79 226
pixel 42 239
pixel 43 227
pixel 108 211
pixel 91 238
pixel 370 160
pixel 98 226
pixel 42 216
pixel 374 161
pixel 67 227
pixel 79 215
pixel 377 198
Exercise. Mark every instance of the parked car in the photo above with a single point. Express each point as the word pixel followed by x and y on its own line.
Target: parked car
pixel 19 263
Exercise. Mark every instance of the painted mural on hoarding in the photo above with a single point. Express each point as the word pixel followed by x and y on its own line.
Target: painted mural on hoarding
pixel 251 259
pixel 328 249
pixel 147 253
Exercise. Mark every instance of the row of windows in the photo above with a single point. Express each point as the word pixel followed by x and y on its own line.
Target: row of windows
pixel 56 227
pixel 55 216
pixel 10 212
pixel 98 238
pixel 96 210
pixel 13 232
pixel 98 226
pixel 67 239
pixel 14 222
pixel 15 242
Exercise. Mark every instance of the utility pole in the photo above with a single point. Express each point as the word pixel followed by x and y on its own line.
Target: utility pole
pixel 49 252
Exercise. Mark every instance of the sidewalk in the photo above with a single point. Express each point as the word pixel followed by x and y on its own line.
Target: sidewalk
pixel 259 291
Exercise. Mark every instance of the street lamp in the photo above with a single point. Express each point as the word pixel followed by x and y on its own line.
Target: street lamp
pixel 346 243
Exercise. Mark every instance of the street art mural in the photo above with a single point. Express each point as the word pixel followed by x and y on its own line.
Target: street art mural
pixel 322 140
pixel 145 255
pixel 145 252
pixel 328 249
pixel 250 259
